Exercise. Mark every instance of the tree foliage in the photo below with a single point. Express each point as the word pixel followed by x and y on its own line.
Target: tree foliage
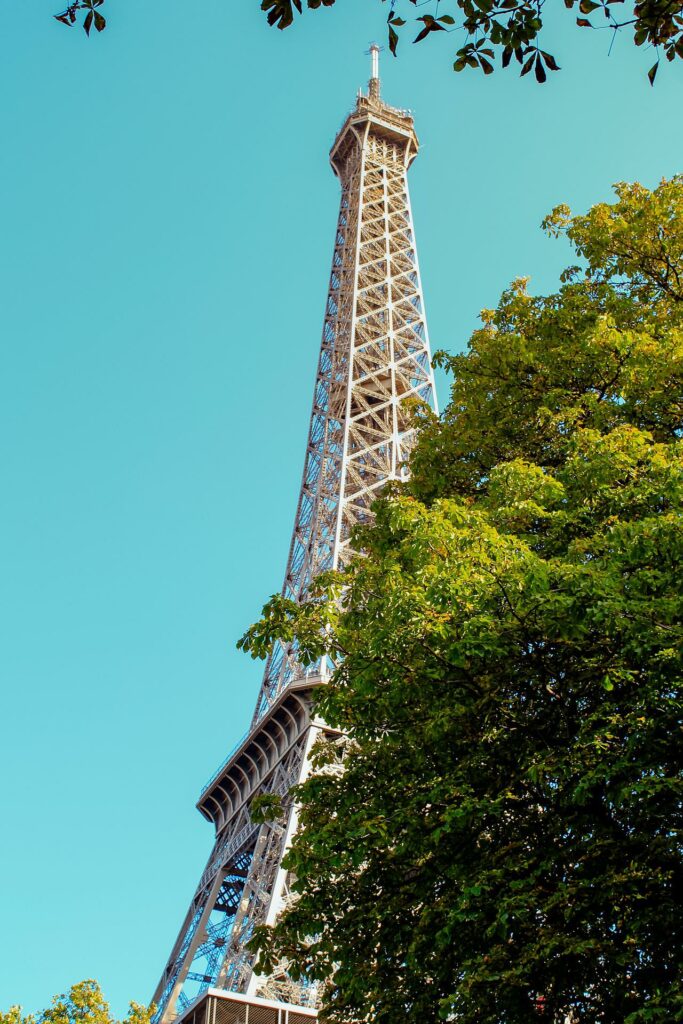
pixel 84 1003
pixel 494 836
pixel 509 29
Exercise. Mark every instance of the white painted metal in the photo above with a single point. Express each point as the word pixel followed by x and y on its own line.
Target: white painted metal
pixel 374 358
pixel 374 361
pixel 279 985
pixel 374 52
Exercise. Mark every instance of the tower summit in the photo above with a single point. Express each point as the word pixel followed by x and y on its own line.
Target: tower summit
pixel 374 357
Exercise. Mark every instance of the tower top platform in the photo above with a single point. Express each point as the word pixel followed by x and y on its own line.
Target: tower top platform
pixel 372 114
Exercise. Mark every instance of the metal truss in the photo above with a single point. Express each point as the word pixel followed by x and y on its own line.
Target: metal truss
pixel 374 357
pixel 374 360
pixel 232 897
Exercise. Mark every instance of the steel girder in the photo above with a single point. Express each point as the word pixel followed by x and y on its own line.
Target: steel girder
pixel 374 358
pixel 233 895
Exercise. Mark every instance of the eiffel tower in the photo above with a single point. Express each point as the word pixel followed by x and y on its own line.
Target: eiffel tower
pixel 374 358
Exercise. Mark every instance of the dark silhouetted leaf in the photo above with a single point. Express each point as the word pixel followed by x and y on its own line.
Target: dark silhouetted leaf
pixel 393 40
pixel 550 61
pixel 280 11
pixel 529 64
pixel 431 25
pixel 652 73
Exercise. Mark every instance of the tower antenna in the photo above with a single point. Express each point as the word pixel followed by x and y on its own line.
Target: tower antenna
pixel 373 84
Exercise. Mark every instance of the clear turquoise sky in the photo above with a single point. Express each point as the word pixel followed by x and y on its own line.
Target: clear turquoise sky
pixel 166 223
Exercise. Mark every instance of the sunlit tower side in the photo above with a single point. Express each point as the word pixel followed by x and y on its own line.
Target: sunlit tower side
pixel 374 358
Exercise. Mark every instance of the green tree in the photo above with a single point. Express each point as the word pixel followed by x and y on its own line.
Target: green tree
pixel 495 835
pixel 509 29
pixel 83 1004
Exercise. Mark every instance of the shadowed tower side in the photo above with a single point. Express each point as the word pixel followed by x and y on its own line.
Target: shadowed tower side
pixel 374 357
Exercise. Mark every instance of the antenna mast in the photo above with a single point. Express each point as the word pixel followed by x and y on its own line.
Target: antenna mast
pixel 373 84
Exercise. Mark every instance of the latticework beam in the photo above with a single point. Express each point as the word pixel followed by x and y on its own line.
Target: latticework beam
pixel 374 360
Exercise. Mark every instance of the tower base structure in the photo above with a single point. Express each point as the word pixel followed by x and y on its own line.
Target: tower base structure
pixel 217 1006
pixel 244 883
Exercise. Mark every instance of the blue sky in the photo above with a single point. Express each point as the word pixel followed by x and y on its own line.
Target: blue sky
pixel 167 216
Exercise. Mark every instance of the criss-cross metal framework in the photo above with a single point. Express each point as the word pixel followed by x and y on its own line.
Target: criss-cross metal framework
pixel 374 359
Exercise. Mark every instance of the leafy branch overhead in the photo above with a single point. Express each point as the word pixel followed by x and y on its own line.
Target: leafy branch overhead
pixel 91 16
pixel 509 30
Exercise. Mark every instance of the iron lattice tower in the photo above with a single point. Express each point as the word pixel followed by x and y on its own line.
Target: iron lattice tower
pixel 374 357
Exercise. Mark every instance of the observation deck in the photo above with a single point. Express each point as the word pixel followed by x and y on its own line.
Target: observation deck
pixel 258 754
pixel 372 113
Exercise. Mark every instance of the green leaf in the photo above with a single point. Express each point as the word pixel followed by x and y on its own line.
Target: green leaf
pixel 492 824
